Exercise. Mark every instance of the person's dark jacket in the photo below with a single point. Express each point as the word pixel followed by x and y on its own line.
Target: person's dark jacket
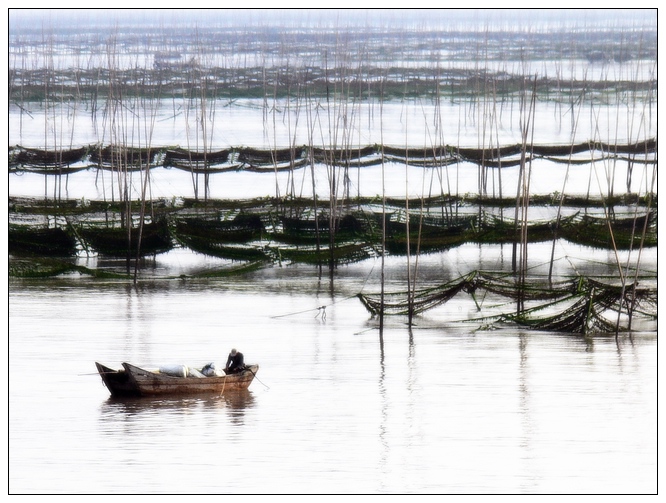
pixel 235 363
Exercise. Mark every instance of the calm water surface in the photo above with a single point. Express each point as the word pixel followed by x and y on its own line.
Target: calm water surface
pixel 440 408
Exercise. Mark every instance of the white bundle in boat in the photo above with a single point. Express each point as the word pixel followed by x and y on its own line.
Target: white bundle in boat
pixel 195 373
pixel 211 370
pixel 174 370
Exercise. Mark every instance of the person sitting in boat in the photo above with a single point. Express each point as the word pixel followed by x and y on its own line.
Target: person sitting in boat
pixel 235 362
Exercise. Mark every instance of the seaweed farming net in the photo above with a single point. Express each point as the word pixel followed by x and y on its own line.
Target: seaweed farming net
pixel 299 232
pixel 584 316
pixel 576 305
pixel 418 301
pixel 509 287
pixel 110 157
pixel 591 310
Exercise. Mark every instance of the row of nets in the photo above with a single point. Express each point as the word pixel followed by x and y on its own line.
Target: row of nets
pixel 575 305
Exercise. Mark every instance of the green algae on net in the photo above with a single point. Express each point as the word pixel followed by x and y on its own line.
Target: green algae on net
pixel 115 157
pixel 578 305
pixel 275 231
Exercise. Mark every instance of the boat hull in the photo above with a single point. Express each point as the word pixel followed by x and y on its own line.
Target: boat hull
pixel 136 381
pixel 117 381
pixel 150 383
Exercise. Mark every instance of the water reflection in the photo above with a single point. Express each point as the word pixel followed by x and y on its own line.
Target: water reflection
pixel 383 424
pixel 525 410
pixel 235 403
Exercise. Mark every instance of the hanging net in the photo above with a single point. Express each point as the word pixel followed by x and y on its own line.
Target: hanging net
pixel 575 305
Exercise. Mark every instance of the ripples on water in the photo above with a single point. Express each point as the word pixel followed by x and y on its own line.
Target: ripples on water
pixel 442 408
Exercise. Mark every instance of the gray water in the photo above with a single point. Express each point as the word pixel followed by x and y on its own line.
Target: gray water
pixel 441 408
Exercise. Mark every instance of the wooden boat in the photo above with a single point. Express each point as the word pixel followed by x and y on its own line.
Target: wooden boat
pixel 135 381
pixel 117 381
